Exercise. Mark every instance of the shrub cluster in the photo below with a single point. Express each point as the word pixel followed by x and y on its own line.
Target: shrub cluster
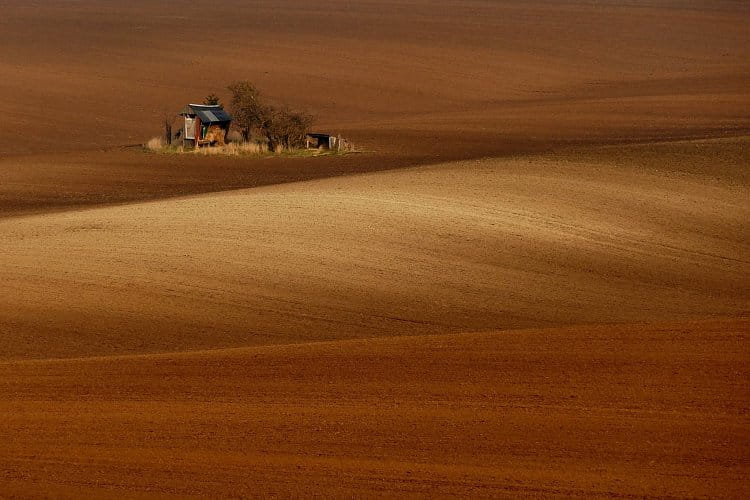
pixel 280 126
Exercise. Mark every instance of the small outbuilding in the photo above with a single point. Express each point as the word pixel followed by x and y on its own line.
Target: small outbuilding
pixel 205 125
pixel 324 141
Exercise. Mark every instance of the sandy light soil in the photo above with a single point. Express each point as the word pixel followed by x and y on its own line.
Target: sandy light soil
pixel 535 281
pixel 486 244
pixel 657 408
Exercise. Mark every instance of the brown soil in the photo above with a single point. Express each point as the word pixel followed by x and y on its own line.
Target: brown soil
pixel 536 281
pixel 529 241
pixel 606 411
pixel 417 82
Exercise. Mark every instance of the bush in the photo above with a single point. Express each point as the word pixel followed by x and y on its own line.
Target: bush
pixel 154 144
pixel 279 125
pixel 285 128
pixel 234 136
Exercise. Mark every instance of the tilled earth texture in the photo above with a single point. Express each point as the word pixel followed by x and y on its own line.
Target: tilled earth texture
pixel 532 279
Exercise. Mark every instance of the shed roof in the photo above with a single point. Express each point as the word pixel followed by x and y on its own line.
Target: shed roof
pixel 207 113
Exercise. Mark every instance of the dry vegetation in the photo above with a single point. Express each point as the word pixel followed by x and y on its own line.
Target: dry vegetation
pixel 531 289
pixel 258 128
pixel 241 148
pixel 231 148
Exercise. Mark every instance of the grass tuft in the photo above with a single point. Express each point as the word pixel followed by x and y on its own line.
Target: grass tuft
pixel 238 148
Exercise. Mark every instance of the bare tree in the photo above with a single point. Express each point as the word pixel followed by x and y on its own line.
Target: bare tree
pixel 283 127
pixel 272 126
pixel 168 122
pixel 299 126
pixel 246 106
pixel 279 125
pixel 212 100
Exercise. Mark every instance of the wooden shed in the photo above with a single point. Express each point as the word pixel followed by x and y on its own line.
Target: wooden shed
pixel 205 125
pixel 324 141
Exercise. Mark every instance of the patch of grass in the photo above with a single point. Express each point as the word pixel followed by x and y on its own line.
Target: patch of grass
pixel 233 149
pixel 239 148
pixel 154 144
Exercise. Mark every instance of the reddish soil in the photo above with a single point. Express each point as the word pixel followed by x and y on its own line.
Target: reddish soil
pixel 605 411
pixel 535 281
pixel 414 82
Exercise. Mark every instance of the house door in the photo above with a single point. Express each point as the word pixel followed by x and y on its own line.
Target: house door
pixel 189 128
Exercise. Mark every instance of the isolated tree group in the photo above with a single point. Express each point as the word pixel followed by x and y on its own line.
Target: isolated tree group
pixel 278 124
pixel 246 107
pixel 212 100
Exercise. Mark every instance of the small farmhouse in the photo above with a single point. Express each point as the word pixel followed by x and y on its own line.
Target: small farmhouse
pixel 205 125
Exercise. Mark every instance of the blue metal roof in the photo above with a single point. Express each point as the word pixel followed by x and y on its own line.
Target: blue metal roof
pixel 206 113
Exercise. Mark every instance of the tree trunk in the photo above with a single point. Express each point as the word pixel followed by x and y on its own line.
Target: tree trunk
pixel 168 132
pixel 272 143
